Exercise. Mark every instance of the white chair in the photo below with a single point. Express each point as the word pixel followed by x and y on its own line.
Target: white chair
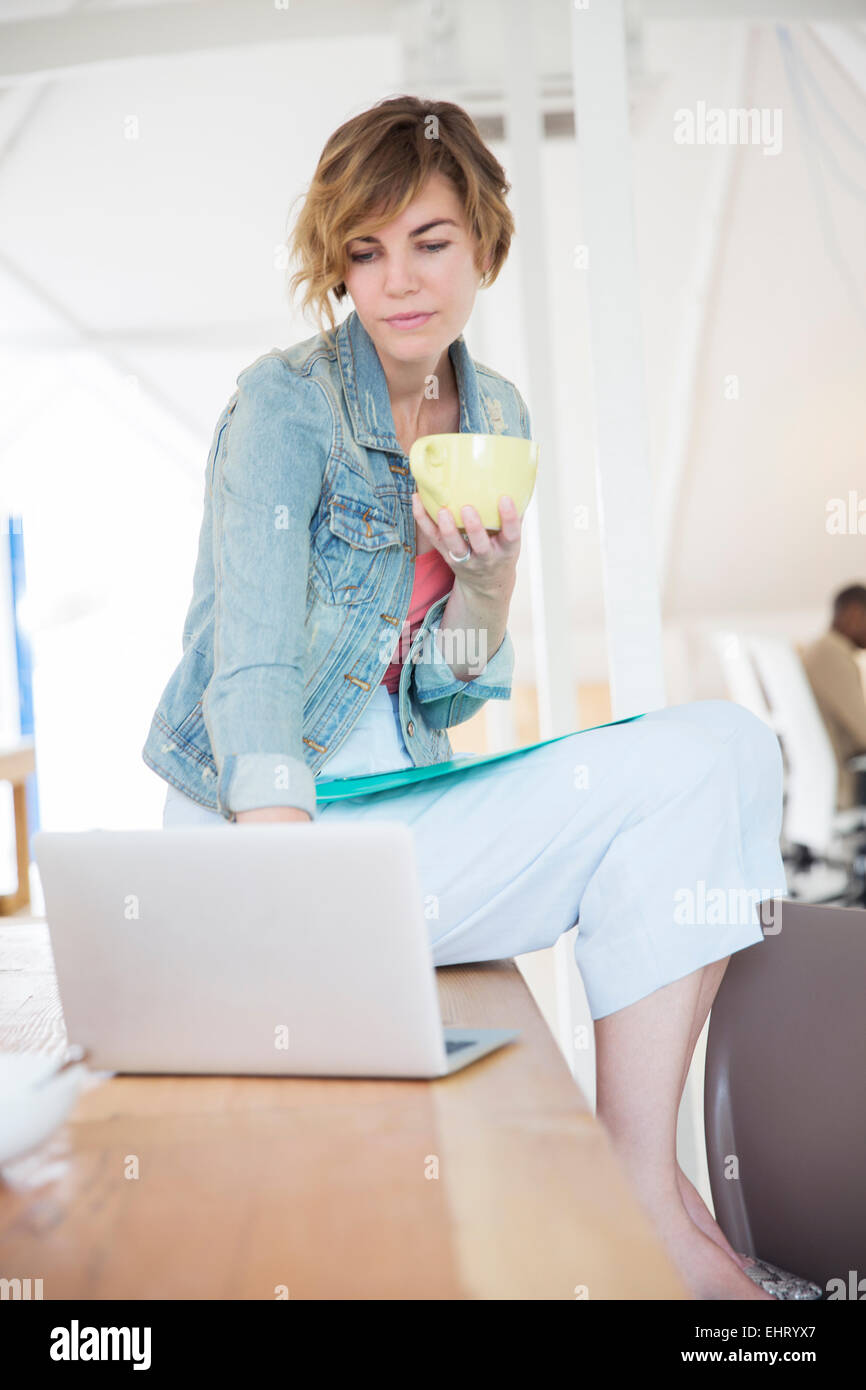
pixel 765 674
pixel 732 649
pixel 812 772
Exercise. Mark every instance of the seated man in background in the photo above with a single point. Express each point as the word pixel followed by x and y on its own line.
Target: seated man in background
pixel 835 677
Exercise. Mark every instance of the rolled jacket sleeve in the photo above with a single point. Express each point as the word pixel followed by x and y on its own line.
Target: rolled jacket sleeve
pixel 447 700
pixel 266 491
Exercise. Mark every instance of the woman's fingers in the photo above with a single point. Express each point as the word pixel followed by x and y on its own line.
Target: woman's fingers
pixel 510 518
pixel 446 535
pixel 476 534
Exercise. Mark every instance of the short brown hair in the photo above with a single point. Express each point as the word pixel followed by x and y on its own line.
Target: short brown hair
pixel 846 598
pixel 371 168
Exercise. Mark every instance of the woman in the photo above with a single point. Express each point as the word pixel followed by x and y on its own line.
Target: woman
pixel 316 556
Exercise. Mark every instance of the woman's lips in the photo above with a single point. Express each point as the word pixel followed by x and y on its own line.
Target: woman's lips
pixel 414 322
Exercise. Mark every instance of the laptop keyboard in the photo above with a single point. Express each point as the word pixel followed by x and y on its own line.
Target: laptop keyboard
pixel 451 1045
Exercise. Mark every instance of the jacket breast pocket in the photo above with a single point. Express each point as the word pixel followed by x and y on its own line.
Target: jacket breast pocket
pixel 350 549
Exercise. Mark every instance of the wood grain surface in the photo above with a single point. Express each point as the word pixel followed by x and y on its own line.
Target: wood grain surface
pixel 494 1183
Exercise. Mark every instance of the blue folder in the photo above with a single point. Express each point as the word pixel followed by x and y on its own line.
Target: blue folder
pixel 332 788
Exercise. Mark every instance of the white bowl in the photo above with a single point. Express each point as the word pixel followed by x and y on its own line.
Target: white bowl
pixel 36 1094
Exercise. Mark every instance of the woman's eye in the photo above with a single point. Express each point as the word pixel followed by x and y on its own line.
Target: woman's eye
pixel 364 257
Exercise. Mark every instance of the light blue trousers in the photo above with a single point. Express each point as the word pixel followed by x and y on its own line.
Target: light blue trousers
pixel 659 837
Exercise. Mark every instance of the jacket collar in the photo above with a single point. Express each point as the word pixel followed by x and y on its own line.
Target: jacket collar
pixel 366 388
pixel 842 640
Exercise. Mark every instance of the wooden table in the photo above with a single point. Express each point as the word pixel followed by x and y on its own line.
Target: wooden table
pixel 323 1187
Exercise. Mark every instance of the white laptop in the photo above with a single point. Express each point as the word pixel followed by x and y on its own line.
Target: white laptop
pixel 287 950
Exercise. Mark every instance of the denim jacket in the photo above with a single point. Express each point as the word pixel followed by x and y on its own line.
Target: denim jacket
pixel 303 579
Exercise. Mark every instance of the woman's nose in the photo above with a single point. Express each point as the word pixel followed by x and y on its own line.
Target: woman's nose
pixel 400 277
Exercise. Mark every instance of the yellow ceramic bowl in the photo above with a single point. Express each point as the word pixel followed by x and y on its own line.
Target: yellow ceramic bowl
pixel 473 470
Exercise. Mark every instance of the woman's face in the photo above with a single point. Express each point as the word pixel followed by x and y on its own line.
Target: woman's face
pixel 421 263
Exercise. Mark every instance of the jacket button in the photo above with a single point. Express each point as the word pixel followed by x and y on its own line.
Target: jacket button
pixel 410 727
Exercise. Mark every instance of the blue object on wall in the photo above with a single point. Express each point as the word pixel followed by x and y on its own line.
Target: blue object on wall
pixel 23 656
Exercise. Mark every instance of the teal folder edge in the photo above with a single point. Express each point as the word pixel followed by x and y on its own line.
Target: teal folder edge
pixel 333 788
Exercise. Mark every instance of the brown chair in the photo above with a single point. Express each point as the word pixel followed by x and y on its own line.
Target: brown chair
pixel 785 1093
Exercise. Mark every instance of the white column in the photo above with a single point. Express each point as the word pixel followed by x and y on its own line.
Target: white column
pixel 524 131
pixel 625 498
pixel 555 659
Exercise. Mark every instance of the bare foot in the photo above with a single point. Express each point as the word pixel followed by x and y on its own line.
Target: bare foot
pixel 704 1220
pixel 707 1271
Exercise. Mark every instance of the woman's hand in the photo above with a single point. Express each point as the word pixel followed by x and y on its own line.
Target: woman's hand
pixel 272 815
pixel 491 570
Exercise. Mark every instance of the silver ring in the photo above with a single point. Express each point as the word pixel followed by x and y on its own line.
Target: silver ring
pixel 458 559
